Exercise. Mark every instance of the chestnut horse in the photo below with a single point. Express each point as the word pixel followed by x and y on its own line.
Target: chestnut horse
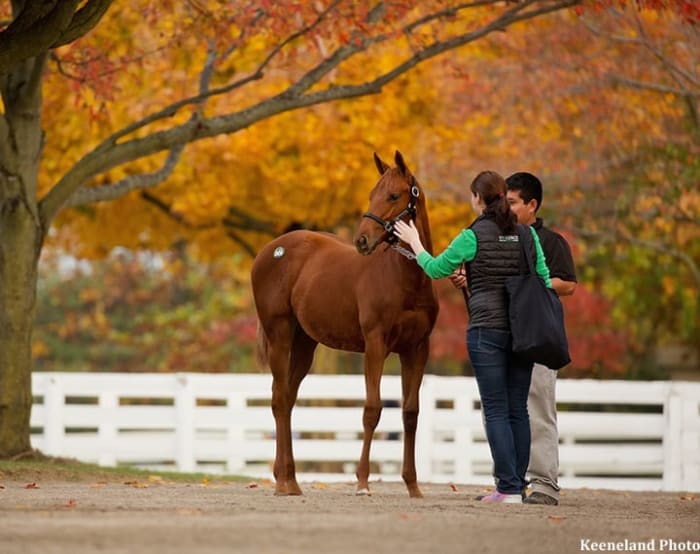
pixel 312 288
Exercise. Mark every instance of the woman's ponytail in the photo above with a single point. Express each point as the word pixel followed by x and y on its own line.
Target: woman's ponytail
pixel 492 188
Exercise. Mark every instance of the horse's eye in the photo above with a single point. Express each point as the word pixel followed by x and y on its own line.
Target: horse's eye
pixel 394 196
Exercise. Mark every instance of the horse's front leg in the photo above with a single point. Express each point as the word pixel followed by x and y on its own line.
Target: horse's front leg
pixel 375 354
pixel 412 367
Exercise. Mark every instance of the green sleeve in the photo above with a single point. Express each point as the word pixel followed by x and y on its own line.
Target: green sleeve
pixel 540 264
pixel 461 249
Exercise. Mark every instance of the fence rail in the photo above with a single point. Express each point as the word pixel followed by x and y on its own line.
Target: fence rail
pixel 614 434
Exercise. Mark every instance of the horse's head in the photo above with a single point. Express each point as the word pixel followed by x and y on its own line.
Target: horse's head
pixel 394 197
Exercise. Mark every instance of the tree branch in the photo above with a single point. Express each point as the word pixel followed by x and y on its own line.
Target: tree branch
pixel 662 248
pixel 251 223
pixel 33 31
pixel 446 13
pixel 86 195
pixel 83 21
pixel 685 79
pixel 256 75
pixel 168 210
pixel 677 73
pixel 112 191
pixel 633 83
pixel 245 245
pixel 239 219
pixel 109 154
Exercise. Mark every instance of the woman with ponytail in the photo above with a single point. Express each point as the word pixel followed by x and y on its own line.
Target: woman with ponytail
pixel 491 251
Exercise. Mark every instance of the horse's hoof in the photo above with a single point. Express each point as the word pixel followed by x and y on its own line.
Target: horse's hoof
pixel 288 490
pixel 415 493
pixel 362 492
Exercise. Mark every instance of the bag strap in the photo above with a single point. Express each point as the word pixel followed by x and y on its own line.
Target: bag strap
pixel 523 232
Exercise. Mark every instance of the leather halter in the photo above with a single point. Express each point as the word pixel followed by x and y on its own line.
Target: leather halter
pixel 410 210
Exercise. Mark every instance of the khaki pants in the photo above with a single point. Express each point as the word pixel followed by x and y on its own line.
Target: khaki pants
pixel 544 450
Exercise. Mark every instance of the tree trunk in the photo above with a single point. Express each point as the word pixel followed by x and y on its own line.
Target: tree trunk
pixel 19 253
pixel 21 237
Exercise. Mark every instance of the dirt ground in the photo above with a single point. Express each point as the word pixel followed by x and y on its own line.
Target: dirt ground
pixel 155 515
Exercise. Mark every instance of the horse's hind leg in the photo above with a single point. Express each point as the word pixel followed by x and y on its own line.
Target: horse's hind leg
pixel 302 355
pixel 292 365
pixel 412 367
pixel 280 343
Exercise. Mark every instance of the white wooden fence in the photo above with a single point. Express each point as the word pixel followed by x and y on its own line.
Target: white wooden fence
pixel 223 424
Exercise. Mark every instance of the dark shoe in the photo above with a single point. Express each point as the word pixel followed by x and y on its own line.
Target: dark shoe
pixel 542 499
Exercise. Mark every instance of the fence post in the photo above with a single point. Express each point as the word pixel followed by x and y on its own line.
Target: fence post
pixel 235 460
pixel 425 435
pixel 672 441
pixel 54 430
pixel 107 429
pixel 184 423
pixel 464 440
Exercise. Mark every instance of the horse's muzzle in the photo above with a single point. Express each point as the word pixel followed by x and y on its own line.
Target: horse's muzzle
pixel 363 246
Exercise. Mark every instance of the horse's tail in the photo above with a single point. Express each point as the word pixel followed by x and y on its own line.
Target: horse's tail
pixel 262 347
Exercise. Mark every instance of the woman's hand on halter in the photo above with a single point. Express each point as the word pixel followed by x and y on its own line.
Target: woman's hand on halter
pixel 409 234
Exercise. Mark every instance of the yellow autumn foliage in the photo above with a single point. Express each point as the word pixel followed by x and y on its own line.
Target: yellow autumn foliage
pixel 507 102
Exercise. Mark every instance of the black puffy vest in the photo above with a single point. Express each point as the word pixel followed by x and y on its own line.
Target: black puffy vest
pixel 497 258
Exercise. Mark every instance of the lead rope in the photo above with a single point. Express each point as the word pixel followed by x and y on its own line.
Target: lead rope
pixel 403 251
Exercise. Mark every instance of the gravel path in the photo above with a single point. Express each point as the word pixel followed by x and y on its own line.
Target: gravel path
pixel 157 516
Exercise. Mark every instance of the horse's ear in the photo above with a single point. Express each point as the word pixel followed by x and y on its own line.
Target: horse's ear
pixel 381 166
pixel 398 158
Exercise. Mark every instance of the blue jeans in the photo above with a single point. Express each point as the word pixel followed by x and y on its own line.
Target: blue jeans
pixel 504 382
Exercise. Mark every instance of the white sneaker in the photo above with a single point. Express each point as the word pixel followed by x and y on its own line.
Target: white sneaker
pixel 496 496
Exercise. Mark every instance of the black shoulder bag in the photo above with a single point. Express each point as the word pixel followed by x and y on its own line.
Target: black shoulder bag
pixel 536 314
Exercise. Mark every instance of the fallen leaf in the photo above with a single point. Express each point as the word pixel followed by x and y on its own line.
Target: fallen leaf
pixel 688 497
pixel 136 484
pixel 31 486
pixel 252 485
pixel 71 503
pixel 556 518
pixel 320 486
pixel 2 486
pixel 155 479
pixel 454 487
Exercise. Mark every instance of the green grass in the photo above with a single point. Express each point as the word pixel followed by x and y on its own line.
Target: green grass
pixel 38 467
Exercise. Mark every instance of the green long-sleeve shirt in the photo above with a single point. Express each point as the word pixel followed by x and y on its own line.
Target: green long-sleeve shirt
pixel 463 249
